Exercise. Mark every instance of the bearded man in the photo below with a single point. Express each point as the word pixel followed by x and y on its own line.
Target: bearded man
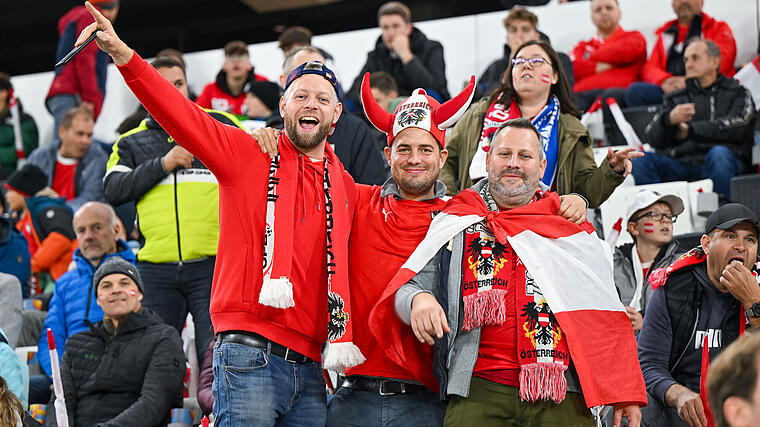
pixel 283 244
pixel 521 286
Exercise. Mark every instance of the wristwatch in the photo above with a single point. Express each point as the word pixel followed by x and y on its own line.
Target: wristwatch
pixel 753 311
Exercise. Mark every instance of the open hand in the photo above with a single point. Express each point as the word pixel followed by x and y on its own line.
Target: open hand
pixel 267 139
pixel 620 160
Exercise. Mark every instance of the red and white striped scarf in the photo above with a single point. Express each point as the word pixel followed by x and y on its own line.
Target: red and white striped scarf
pixel 277 289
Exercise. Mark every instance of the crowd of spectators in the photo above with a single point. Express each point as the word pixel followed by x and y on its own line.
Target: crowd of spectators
pixel 118 243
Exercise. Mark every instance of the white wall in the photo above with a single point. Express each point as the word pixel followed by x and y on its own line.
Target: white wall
pixel 470 44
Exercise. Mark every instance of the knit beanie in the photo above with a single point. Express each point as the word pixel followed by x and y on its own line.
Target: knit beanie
pixel 28 180
pixel 115 265
pixel 267 92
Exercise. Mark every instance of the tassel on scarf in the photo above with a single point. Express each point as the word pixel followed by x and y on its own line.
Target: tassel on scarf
pixel 484 308
pixel 543 381
pixel 277 293
pixel 342 355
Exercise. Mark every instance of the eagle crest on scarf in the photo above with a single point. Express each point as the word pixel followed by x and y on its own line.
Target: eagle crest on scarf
pixel 540 324
pixel 487 256
pixel 336 327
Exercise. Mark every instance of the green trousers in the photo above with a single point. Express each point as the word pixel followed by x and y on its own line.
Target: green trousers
pixel 492 404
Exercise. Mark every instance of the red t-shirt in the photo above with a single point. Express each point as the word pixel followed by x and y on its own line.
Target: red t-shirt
pixel 497 355
pixel 384 234
pixel 63 180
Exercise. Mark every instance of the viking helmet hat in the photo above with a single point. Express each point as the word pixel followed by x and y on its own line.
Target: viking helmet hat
pixel 419 110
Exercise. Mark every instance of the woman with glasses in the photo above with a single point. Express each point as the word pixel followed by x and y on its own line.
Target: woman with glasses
pixel 534 86
pixel 650 221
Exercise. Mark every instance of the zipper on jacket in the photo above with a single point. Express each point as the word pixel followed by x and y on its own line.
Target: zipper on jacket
pixel 176 218
pixel 693 332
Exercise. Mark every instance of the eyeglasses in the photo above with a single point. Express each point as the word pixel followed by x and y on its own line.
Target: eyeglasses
pixel 534 62
pixel 657 216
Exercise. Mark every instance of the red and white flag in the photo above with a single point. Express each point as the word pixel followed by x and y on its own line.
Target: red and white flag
pixel 749 77
pixel 573 270
pixel 612 237
pixel 631 138
pixel 61 416
pixel 593 120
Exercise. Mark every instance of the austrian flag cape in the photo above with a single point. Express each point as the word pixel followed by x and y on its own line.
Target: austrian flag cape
pixel 572 269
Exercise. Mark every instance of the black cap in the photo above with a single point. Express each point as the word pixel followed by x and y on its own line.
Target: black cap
pixel 117 264
pixel 729 215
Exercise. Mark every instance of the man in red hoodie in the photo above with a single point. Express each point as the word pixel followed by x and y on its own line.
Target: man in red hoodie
pixel 609 62
pixel 283 244
pixel 83 80
pixel 227 92
pixel 664 72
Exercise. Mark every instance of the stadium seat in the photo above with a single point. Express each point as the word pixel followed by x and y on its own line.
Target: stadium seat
pixel 745 189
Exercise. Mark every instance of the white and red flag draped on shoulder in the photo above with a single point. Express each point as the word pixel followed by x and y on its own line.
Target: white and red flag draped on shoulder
pixel 574 272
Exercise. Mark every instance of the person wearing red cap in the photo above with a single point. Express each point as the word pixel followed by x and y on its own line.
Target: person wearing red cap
pixel 280 290
pixel 83 80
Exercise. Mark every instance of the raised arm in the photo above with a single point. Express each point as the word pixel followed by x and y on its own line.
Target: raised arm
pixel 225 150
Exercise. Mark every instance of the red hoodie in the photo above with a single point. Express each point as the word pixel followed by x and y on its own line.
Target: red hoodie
pixel 85 75
pixel 718 31
pixel 626 51
pixel 216 95
pixel 242 171
pixel 385 231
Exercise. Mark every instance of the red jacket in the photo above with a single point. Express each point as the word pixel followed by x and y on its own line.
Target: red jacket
pixel 242 170
pixel 626 51
pixel 216 95
pixel 718 31
pixel 85 75
pixel 385 231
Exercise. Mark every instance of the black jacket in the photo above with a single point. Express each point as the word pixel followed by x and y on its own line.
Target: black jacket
pixel 356 147
pixel 139 152
pixel 427 70
pixel 725 115
pixel 131 379
pixel 678 316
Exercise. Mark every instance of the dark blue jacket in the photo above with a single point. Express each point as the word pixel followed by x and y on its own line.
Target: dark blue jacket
pixel 73 304
pixel 14 254
pixel 678 316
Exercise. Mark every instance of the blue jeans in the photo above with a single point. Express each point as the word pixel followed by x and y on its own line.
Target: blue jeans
pixel 39 388
pixel 254 388
pixel 172 290
pixel 643 93
pixel 350 407
pixel 720 165
pixel 58 105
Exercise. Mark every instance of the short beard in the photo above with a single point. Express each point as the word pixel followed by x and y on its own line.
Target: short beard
pixel 414 187
pixel 507 197
pixel 306 141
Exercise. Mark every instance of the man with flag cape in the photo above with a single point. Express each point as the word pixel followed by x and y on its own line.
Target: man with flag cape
pixel 531 311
